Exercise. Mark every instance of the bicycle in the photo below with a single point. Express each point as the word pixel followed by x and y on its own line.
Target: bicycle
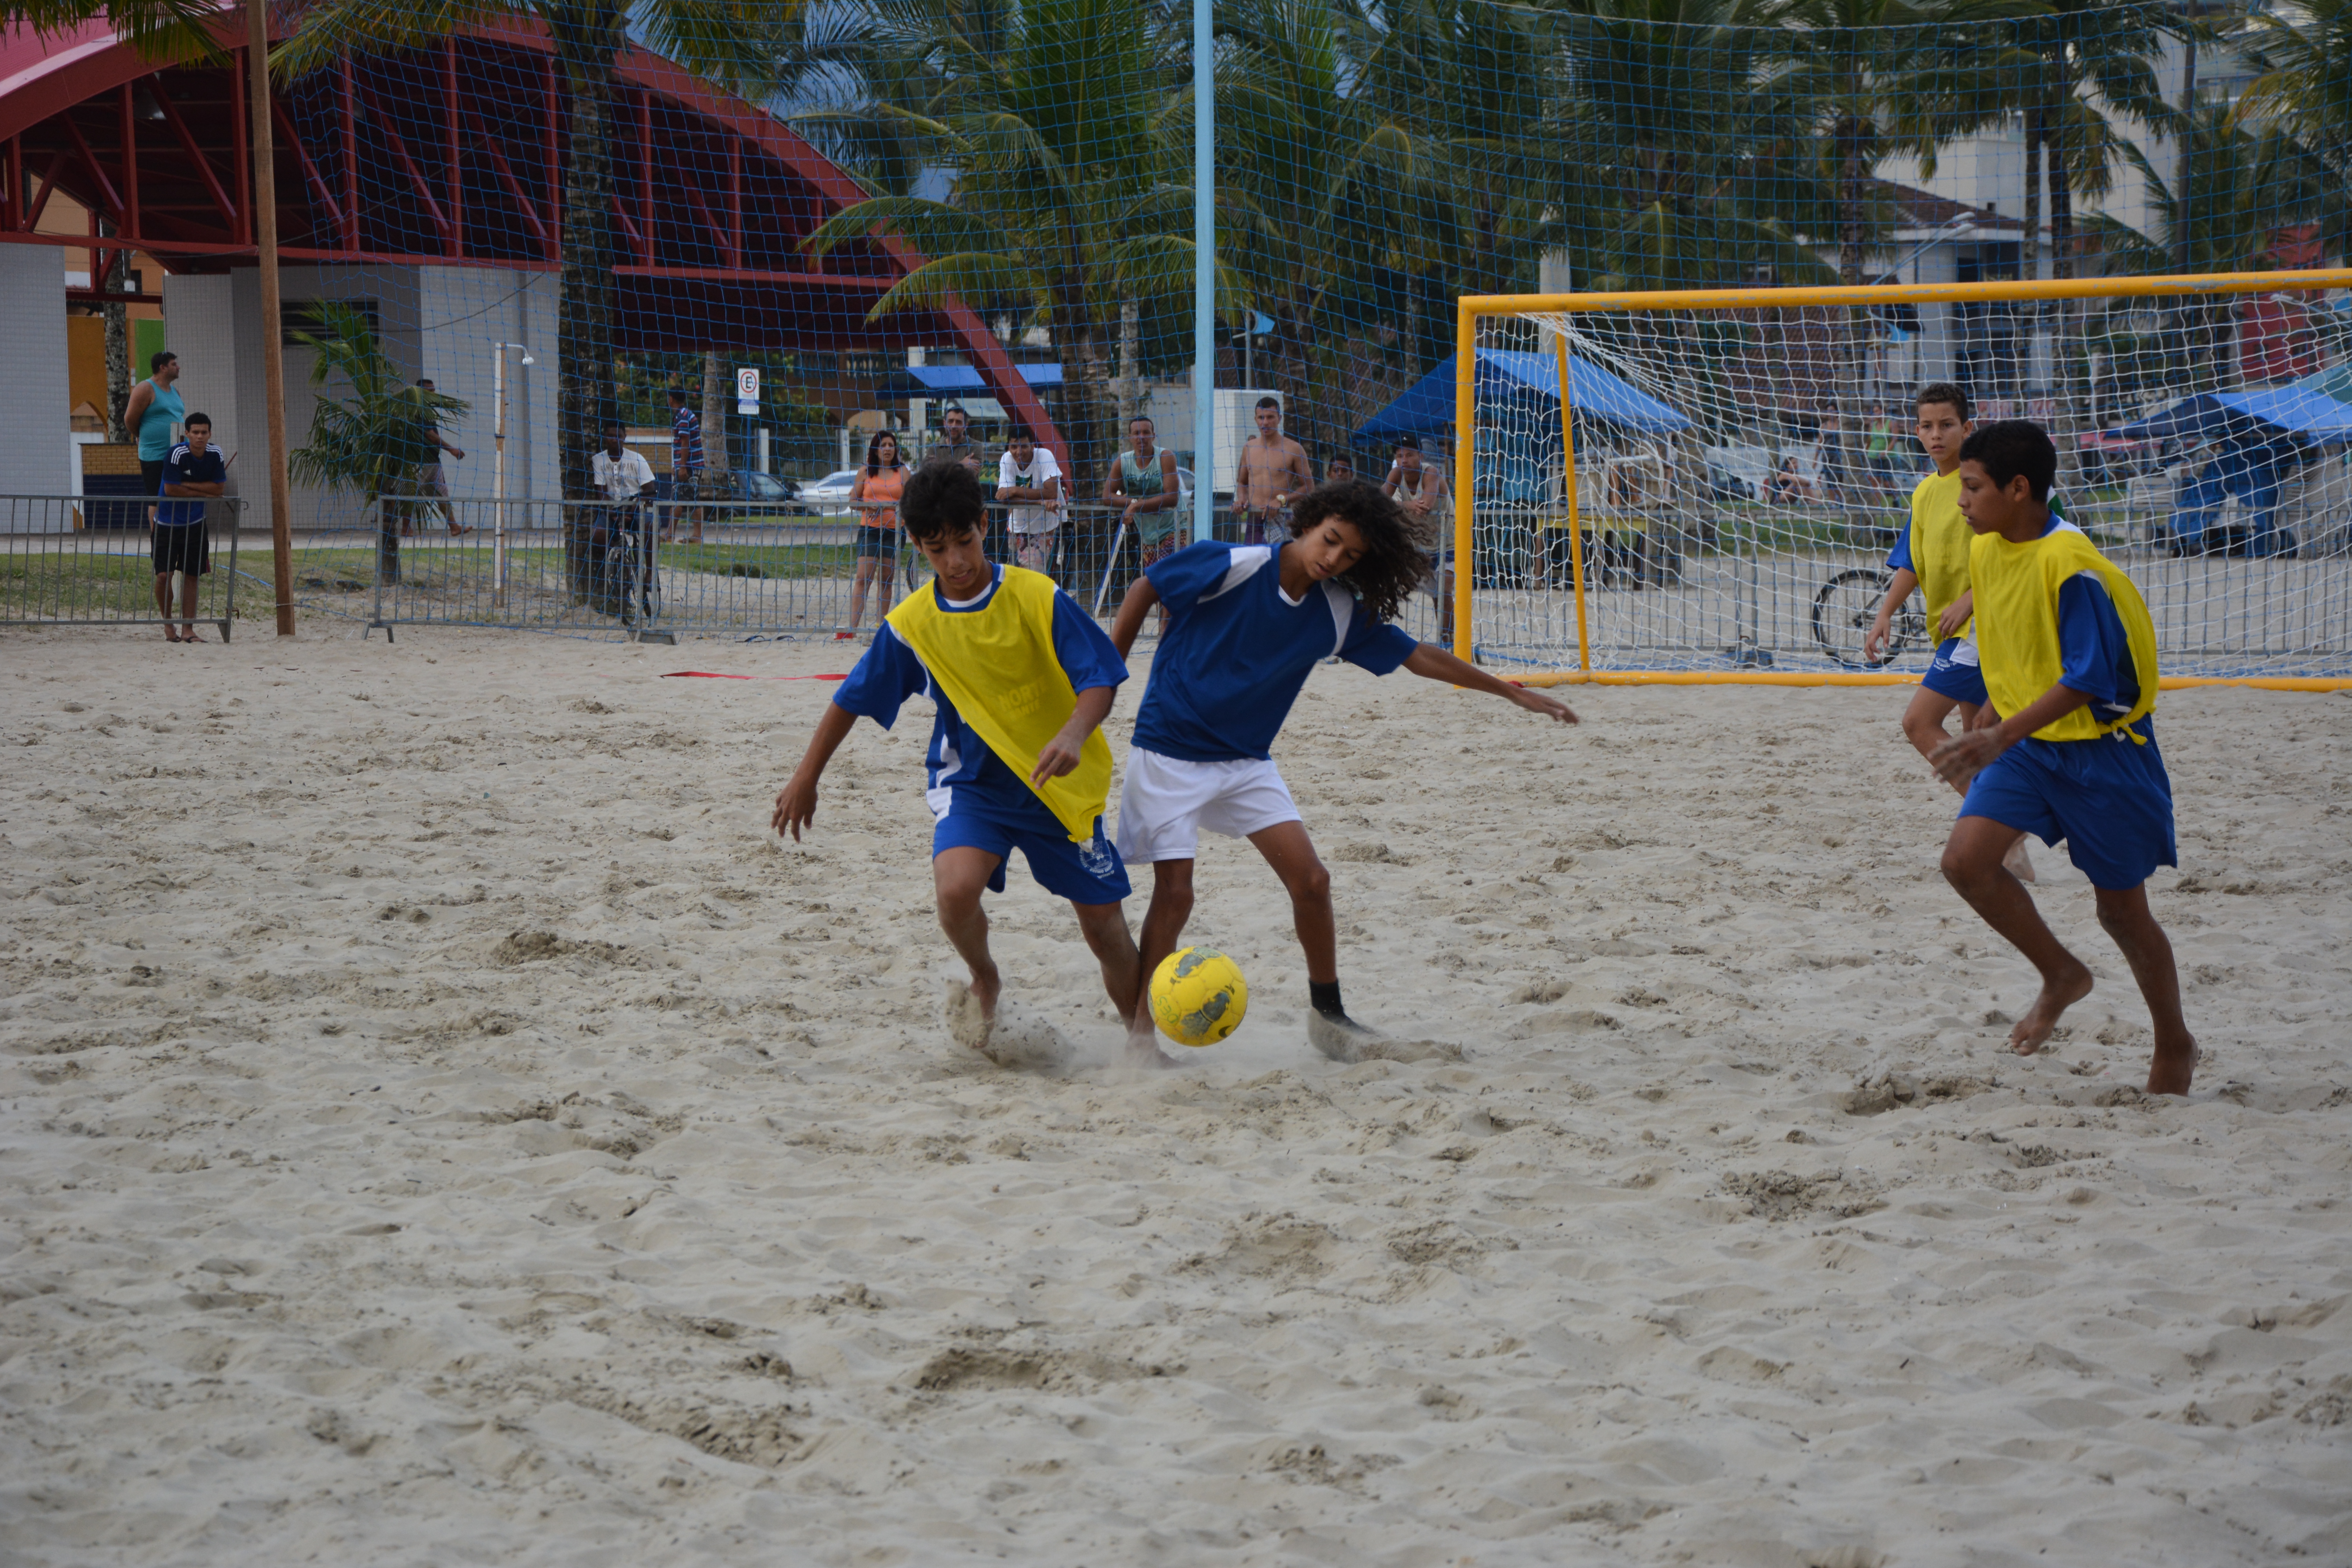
pixel 1847 606
pixel 629 574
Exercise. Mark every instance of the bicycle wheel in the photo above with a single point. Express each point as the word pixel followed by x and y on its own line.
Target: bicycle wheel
pixel 1842 613
pixel 620 573
pixel 649 588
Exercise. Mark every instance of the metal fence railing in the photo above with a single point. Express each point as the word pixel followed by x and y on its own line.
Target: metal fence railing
pixel 69 561
pixel 650 568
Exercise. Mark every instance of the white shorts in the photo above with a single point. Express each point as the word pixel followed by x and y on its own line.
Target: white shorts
pixel 1167 801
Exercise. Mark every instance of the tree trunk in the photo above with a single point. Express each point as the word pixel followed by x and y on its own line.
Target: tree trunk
pixel 1854 226
pixel 717 400
pixel 2030 252
pixel 118 345
pixel 588 42
pixel 2065 416
pixel 1129 385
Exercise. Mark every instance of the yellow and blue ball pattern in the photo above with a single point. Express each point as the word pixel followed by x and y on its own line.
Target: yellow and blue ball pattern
pixel 1198 996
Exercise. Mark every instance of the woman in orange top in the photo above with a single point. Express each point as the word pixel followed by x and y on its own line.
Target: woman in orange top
pixel 879 540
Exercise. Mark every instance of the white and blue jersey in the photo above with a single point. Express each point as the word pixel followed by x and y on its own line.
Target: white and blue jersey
pixel 187 466
pixel 975 798
pixel 1239 649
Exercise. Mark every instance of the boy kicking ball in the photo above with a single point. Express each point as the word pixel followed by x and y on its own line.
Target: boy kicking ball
pixel 2069 656
pixel 1023 678
pixel 1247 624
pixel 1932 555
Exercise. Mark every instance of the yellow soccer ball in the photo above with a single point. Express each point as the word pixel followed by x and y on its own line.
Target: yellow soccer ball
pixel 1198 996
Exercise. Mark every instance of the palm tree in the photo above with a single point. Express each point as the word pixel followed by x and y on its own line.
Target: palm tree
pixel 2306 86
pixel 174 30
pixel 2242 186
pixel 1661 138
pixel 729 41
pixel 360 444
pixel 1057 123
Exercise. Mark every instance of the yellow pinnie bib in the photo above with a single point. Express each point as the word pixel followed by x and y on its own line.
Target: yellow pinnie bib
pixel 1940 538
pixel 2017 625
pixel 997 665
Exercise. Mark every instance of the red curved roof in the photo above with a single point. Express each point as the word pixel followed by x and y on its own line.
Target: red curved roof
pixel 453 157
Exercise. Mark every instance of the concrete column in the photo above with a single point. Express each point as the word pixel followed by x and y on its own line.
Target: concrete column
pixel 36 395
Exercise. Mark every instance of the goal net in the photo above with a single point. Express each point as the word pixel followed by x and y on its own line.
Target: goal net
pixel 1711 482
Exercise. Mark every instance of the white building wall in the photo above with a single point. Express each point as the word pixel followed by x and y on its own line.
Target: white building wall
pixel 464 313
pixel 35 393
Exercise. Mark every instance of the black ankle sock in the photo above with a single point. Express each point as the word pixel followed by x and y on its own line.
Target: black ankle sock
pixel 1324 995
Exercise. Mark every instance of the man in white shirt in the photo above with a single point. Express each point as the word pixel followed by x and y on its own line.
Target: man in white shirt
pixel 620 471
pixel 625 479
pixel 1027 473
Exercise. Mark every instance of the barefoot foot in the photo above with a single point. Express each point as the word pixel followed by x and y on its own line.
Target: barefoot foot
pixel 1003 1032
pixel 1143 1052
pixel 2173 1065
pixel 2057 995
pixel 2017 863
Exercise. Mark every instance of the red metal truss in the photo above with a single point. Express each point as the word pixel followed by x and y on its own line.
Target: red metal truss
pixel 453 156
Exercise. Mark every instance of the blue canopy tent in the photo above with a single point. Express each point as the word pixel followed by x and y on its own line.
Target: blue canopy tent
pixel 2262 436
pixel 961 384
pixel 1426 408
pixel 2267 414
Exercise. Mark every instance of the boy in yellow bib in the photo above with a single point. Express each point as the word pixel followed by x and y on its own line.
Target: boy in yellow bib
pixel 1023 678
pixel 2069 657
pixel 1932 556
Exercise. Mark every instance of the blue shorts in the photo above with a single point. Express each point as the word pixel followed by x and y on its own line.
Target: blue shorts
pixel 1950 676
pixel 1089 873
pixel 2110 800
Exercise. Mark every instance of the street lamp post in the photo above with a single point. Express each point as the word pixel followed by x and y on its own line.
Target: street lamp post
pixel 499 467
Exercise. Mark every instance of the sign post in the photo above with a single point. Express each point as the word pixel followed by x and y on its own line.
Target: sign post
pixel 747 389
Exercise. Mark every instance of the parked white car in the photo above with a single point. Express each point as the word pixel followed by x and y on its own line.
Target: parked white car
pixel 830 494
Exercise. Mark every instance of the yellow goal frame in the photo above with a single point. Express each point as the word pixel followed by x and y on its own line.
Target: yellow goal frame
pixel 1471 308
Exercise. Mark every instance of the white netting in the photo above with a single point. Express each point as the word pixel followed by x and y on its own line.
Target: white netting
pixel 1742 474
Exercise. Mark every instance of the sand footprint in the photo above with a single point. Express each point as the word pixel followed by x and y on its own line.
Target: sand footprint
pixel 1017 1038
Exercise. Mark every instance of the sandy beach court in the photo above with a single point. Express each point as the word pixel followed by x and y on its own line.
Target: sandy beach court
pixel 440 1125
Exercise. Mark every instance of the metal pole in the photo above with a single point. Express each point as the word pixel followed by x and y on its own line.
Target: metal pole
pixel 1204 271
pixel 498 476
pixel 273 347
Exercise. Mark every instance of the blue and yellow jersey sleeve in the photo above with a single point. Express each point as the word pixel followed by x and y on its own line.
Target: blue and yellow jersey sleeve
pixel 2053 612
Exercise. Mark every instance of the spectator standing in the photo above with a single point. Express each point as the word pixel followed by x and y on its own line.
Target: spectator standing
pixel 427 479
pixel 959 446
pixel 1143 480
pixel 150 417
pixel 1273 470
pixel 686 458
pixel 193 469
pixel 1029 477
pixel 1420 490
pixel 876 493
pixel 1341 468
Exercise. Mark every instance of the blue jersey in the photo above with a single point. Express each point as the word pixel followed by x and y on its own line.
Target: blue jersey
pixel 2095 655
pixel 958 759
pixel 1238 649
pixel 185 467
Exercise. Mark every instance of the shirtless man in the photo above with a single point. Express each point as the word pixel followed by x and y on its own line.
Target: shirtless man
pixel 1272 471
pixel 1418 489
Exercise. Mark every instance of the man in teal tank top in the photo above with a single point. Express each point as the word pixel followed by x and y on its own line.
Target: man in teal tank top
pixel 153 418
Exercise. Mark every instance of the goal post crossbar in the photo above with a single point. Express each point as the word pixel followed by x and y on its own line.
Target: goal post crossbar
pixel 1473 309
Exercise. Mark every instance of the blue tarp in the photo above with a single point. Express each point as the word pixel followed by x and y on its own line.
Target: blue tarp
pixel 946 380
pixel 1427 407
pixel 2212 416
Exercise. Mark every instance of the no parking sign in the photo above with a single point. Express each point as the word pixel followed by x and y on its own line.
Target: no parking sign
pixel 747 389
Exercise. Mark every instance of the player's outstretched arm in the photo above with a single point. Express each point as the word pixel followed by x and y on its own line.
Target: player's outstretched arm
pixel 796 802
pixel 1140 596
pixel 1898 590
pixel 1061 753
pixel 1434 663
pixel 1970 752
